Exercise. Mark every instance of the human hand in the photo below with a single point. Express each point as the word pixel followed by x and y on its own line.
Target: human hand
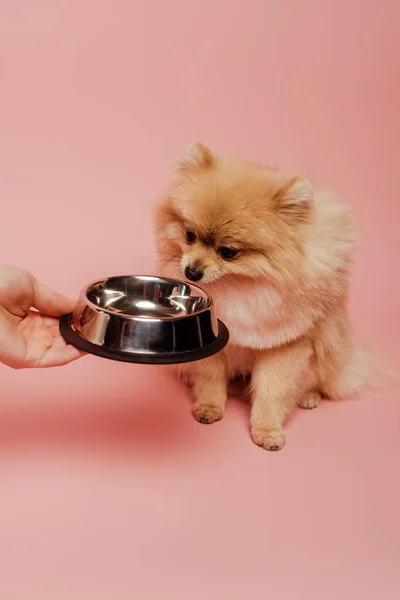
pixel 31 338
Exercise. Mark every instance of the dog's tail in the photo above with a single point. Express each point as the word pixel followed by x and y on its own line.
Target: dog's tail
pixel 363 370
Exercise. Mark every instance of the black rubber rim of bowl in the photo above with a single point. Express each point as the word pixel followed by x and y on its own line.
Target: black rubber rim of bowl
pixel 73 338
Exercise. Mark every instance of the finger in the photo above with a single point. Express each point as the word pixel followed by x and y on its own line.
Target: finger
pixel 49 302
pixel 51 322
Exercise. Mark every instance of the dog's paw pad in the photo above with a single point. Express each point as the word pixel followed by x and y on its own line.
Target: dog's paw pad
pixel 207 413
pixel 269 439
pixel 310 400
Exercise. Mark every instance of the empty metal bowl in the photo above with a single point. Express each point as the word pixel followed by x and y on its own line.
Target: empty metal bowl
pixel 145 319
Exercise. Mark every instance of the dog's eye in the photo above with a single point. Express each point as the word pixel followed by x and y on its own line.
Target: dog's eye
pixel 190 236
pixel 227 252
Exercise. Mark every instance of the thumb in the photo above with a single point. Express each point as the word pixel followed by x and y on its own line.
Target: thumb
pixel 49 302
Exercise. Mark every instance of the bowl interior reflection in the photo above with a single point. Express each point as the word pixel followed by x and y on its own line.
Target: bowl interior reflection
pixel 146 297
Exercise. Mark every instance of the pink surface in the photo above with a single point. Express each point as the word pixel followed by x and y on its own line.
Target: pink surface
pixel 108 487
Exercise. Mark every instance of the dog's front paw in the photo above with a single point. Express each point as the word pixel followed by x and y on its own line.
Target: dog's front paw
pixel 208 413
pixel 310 400
pixel 270 439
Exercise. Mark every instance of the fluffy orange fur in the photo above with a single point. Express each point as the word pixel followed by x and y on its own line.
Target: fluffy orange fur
pixel 274 253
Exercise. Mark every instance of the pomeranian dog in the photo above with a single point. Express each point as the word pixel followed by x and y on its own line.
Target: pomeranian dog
pixel 274 253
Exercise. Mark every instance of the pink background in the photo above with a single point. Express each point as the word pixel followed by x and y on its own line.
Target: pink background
pixel 108 488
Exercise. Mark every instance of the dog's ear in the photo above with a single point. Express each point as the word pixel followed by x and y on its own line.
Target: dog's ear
pixel 295 200
pixel 196 157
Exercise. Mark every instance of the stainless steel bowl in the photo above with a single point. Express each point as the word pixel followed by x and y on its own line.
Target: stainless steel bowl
pixel 145 319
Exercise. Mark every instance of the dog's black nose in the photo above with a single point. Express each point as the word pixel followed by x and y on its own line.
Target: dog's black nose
pixel 193 273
